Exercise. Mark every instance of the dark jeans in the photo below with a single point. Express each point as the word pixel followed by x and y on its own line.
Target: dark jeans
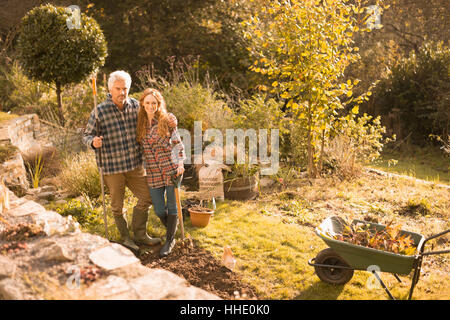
pixel 161 205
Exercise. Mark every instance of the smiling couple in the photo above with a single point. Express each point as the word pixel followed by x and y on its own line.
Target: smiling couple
pixel 140 149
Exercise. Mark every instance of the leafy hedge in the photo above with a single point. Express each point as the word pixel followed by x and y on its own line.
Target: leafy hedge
pixel 418 90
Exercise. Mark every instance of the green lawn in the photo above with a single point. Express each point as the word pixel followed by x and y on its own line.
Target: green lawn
pixel 422 163
pixel 272 255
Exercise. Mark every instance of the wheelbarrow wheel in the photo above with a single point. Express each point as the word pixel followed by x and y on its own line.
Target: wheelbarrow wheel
pixel 330 274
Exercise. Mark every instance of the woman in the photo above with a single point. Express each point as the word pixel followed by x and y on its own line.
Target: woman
pixel 163 158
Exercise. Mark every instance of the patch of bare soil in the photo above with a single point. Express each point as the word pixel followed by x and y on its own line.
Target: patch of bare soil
pixel 201 269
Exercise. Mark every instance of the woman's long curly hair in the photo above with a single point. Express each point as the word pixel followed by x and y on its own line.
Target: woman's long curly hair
pixel 161 115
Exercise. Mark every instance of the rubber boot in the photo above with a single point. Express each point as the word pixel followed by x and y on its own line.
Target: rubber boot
pixel 139 223
pixel 121 224
pixel 164 219
pixel 172 221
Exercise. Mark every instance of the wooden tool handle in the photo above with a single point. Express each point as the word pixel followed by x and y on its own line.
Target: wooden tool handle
pixel 180 213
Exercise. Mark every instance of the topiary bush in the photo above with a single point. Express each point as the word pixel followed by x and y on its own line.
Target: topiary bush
pixel 52 51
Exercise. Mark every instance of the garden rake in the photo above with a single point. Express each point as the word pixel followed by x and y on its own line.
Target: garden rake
pixel 100 163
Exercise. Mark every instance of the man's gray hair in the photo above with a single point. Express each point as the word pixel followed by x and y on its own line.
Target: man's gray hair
pixel 119 75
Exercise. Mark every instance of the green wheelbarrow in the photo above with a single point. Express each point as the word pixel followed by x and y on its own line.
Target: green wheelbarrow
pixel 337 263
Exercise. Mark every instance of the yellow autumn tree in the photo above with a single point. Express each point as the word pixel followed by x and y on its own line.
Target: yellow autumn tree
pixel 304 47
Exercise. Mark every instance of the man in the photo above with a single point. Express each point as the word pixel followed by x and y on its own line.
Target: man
pixel 121 157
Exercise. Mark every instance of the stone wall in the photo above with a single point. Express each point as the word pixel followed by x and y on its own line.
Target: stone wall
pixel 22 132
pixel 13 171
pixel 31 134
pixel 57 265
pixel 33 137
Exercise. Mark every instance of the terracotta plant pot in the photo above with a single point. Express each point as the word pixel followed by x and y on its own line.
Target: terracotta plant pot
pixel 200 216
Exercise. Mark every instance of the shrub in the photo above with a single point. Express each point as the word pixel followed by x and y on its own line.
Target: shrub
pixel 6 87
pixel 445 143
pixel 80 175
pixel 194 102
pixel 259 112
pixel 19 91
pixel 78 102
pixel 358 141
pixel 84 214
pixel 30 96
pixel 297 146
pixel 416 206
pixel 417 92
pixel 7 151
pixel 188 97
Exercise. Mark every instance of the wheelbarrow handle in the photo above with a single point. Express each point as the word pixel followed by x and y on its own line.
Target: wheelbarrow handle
pixel 313 263
pixel 435 252
pixel 434 237
pixel 437 235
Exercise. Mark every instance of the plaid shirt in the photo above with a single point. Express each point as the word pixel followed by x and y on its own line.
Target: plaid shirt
pixel 120 151
pixel 162 155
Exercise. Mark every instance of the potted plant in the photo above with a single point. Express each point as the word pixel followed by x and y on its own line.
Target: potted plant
pixel 200 214
pixel 241 183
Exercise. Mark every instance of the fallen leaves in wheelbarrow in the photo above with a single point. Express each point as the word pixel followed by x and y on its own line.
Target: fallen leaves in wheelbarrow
pixel 390 239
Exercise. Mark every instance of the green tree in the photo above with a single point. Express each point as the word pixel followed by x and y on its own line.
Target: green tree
pixel 56 48
pixel 304 47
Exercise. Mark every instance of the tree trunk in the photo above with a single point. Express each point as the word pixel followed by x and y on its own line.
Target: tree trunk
pixel 311 166
pixel 60 109
pixel 322 150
